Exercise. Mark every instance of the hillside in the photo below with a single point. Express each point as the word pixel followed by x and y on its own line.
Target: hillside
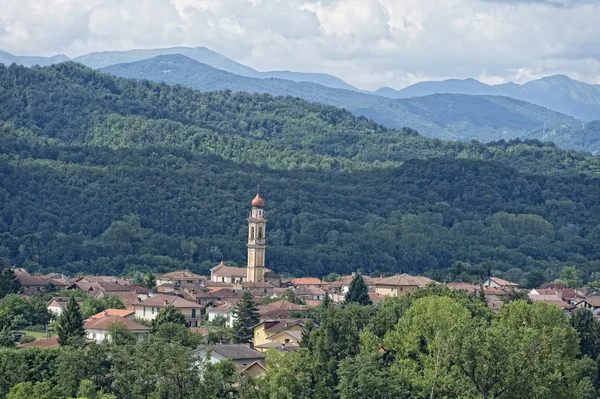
pixel 449 117
pixel 105 175
pixel 558 93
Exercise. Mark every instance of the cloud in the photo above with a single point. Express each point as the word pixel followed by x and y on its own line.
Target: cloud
pixel 369 43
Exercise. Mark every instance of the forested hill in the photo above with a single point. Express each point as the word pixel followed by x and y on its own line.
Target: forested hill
pixel 445 116
pixel 105 175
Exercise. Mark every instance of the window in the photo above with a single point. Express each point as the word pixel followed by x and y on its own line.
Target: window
pixel 190 281
pixel 152 309
pixel 287 340
pixel 144 311
pixel 222 279
pixel 401 289
pixel 193 313
pixel 413 288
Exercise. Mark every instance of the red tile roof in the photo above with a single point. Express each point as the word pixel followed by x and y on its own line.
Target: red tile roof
pixel 306 281
pixel 164 300
pixel 112 312
pixel 47 343
pixel 106 322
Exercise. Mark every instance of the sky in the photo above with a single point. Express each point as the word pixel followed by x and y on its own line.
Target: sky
pixel 368 43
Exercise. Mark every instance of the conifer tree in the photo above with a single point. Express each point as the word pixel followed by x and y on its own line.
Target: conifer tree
pixel 246 314
pixel 168 314
pixel 358 291
pixel 9 283
pixel 69 325
pixel 326 301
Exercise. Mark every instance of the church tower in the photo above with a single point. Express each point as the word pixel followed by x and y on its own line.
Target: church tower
pixel 256 241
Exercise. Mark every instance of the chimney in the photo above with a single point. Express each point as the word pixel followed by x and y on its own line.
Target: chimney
pixel 105 313
pixel 353 274
pixel 166 302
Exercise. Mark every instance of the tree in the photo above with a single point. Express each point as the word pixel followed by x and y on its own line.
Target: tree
pixel 69 325
pixel 168 314
pixel 570 277
pixel 246 317
pixel 308 327
pixel 535 279
pixel 358 291
pixel 9 284
pixel 149 280
pixel 589 332
pixel 121 335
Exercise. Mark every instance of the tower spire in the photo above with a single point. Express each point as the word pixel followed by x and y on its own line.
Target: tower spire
pixel 256 241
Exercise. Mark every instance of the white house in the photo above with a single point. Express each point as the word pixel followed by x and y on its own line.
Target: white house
pixel 225 310
pixel 98 329
pixel 149 308
pixel 496 282
pixel 58 304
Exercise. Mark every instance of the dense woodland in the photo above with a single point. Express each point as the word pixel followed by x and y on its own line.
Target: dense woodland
pixel 445 116
pixel 434 343
pixel 106 175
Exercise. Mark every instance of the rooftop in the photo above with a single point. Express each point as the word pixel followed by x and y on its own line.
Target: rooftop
pixel 107 321
pixel 405 279
pixel 237 352
pixel 164 300
pixel 47 343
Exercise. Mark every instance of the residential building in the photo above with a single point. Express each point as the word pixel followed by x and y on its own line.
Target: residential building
pixel 180 277
pixel 280 310
pixel 400 284
pixel 277 333
pixel 591 303
pixel 310 293
pixel 496 282
pixel 125 313
pixel 225 310
pixel 239 354
pixel 98 329
pixel 58 304
pixel 149 308
pixel 297 282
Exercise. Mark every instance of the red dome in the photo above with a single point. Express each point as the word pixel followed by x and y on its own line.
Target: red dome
pixel 258 202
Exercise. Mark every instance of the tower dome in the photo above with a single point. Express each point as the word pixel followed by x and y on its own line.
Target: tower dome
pixel 258 202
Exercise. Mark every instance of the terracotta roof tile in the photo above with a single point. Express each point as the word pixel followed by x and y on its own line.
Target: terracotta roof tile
pixel 47 343
pixel 105 323
pixel 164 300
pixel 306 281
pixel 405 280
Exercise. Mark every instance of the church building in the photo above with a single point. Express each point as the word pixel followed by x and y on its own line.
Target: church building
pixel 256 277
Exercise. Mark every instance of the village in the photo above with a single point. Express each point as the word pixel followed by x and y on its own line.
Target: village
pixel 284 304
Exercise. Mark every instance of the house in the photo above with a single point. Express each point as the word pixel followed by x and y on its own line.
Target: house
pixel 239 354
pixel 257 288
pixel 180 277
pixel 58 304
pixel 460 286
pixel 149 308
pixel 44 343
pixel 125 313
pixel 255 369
pixel 591 302
pixel 277 333
pixel 225 310
pixel 496 282
pixel 280 310
pixel 98 328
pixel 297 282
pixel 100 279
pixel 37 284
pixel 400 284
pixel 310 293
pixel 550 300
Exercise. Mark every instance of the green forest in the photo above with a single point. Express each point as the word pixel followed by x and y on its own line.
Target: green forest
pixel 434 343
pixel 107 175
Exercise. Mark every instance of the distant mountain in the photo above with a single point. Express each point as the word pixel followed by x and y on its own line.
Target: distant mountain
pixel 211 58
pixel 7 59
pixel 446 116
pixel 559 93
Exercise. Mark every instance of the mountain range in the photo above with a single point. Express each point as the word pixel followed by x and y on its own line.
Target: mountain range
pixel 558 92
pixel 555 108
pixel 446 116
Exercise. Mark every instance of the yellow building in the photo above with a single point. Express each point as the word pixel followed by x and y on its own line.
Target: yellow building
pixel 400 285
pixel 277 333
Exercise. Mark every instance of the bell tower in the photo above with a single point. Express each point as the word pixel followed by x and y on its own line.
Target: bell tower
pixel 256 241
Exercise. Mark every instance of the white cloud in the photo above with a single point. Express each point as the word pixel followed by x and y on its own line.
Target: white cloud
pixel 369 43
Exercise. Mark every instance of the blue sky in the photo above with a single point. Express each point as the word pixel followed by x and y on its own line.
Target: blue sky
pixel 369 43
